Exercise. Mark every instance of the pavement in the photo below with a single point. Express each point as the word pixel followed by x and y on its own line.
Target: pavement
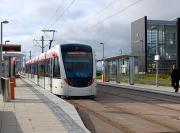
pixel 142 87
pixel 36 110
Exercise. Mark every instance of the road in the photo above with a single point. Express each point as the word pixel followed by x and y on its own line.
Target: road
pixel 119 110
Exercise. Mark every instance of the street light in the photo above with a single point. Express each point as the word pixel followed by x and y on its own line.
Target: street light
pixel 6 42
pixel 103 66
pixel 156 57
pixel 103 48
pixel 3 22
pixel 120 50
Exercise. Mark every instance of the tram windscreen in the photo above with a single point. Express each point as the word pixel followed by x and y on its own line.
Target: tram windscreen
pixel 78 64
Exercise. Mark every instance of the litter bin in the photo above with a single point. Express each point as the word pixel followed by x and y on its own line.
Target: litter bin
pixel 5 88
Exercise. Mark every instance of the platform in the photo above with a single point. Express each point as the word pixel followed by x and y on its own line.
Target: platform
pixel 142 87
pixel 36 110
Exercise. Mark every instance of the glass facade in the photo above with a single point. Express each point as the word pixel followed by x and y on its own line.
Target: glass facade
pixel 161 40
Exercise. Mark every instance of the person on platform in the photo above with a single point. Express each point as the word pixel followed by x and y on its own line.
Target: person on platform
pixel 175 78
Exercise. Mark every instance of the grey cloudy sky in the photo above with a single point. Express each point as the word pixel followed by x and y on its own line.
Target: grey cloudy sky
pixel 81 21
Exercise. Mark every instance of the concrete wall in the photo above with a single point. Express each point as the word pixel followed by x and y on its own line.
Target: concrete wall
pixel 138 41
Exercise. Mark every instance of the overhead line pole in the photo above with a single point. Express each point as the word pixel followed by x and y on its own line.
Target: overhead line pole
pixel 30 54
pixel 50 41
pixel 42 44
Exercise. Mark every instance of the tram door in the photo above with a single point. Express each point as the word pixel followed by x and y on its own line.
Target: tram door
pixel 51 74
pixel 48 74
pixel 41 73
pixel 56 76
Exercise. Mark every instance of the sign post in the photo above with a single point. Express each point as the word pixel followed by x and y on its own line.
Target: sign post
pixel 157 58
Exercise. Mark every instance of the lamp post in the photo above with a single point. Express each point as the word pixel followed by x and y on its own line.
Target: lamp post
pixel 6 42
pixel 157 57
pixel 120 50
pixel 5 69
pixel 3 22
pixel 103 66
pixel 103 49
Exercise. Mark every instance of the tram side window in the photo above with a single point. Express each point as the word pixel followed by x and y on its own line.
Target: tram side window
pixel 56 68
pixel 35 68
pixel 47 68
pixel 32 69
pixel 29 69
pixel 26 68
pixel 41 68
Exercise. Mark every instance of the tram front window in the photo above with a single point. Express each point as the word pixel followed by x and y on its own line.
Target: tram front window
pixel 78 64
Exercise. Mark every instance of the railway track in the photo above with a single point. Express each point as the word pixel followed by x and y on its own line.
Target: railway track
pixel 122 110
pixel 141 95
pixel 147 116
pixel 102 117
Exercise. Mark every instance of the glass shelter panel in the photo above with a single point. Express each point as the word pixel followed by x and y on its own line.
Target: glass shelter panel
pixel 124 70
pixel 112 70
pixel 161 40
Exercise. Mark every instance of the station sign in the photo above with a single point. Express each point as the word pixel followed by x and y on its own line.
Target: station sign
pixel 11 48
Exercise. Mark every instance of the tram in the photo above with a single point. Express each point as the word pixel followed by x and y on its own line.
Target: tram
pixel 65 70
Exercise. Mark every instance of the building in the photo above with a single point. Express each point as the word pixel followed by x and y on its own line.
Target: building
pixel 155 37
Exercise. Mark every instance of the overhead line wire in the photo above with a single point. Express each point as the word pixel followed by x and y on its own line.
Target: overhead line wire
pixel 122 10
pixel 59 6
pixel 114 14
pixel 63 12
pixel 106 7
pixel 54 15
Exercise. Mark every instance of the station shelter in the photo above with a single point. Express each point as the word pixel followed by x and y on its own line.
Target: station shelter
pixel 12 63
pixel 120 68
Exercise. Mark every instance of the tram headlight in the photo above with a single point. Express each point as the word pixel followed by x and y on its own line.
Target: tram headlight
pixel 91 81
pixel 66 80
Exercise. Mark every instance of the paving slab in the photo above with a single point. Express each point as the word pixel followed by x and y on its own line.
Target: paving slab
pixel 36 110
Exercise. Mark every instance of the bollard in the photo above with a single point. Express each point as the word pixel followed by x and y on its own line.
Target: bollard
pixel 13 79
pixel 12 94
pixel 12 85
pixel 103 78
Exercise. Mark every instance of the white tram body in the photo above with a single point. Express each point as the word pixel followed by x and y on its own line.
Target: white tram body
pixel 66 70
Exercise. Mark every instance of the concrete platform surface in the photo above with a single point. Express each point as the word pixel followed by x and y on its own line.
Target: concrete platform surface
pixel 36 110
pixel 142 87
